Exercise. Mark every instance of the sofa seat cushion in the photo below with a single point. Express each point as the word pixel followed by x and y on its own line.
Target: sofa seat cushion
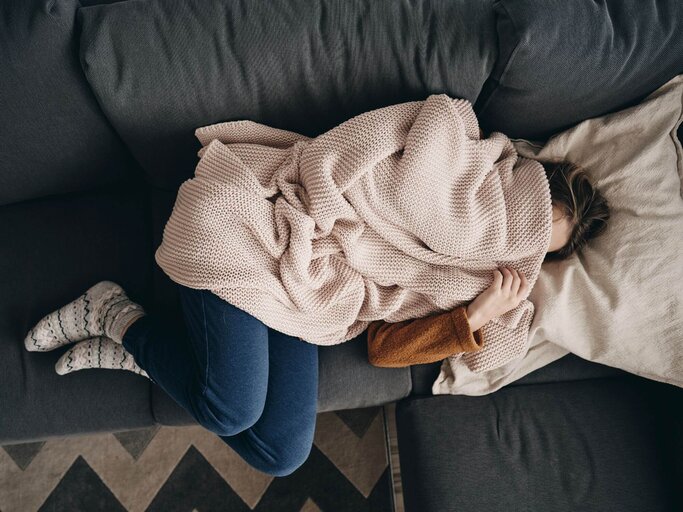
pixel 162 68
pixel 589 445
pixel 563 62
pixel 52 250
pixel 53 135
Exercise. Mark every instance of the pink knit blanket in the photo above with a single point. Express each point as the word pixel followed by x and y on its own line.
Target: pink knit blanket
pixel 396 213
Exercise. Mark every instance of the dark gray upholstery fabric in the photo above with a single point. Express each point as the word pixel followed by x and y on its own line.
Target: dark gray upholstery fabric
pixel 567 368
pixel 162 68
pixel 562 62
pixel 97 2
pixel 423 376
pixel 590 445
pixel 52 250
pixel 53 135
pixel 349 381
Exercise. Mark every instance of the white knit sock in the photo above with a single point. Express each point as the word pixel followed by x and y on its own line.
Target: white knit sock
pixel 103 310
pixel 98 352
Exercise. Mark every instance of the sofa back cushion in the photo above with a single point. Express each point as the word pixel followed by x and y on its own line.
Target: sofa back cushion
pixel 563 62
pixel 162 68
pixel 53 135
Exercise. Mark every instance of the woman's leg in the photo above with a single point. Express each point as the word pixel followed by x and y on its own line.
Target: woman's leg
pixel 219 373
pixel 260 385
pixel 281 439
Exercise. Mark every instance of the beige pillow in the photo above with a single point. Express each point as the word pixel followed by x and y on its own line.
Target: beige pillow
pixel 619 301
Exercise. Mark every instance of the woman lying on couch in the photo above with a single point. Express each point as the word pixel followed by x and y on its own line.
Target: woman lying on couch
pixel 255 387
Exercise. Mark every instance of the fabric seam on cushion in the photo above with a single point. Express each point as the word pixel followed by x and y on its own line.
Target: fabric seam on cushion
pixel 59 18
pixel 512 56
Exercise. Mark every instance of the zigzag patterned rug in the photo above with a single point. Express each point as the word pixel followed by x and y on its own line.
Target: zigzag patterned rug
pixel 189 469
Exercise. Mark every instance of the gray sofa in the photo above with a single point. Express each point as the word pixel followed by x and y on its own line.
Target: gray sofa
pixel 99 103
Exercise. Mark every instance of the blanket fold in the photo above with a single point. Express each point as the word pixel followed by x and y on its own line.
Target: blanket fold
pixel 394 214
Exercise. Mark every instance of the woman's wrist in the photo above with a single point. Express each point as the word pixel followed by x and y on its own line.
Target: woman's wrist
pixel 474 318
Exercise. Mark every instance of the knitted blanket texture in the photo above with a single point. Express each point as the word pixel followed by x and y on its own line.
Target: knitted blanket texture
pixel 396 213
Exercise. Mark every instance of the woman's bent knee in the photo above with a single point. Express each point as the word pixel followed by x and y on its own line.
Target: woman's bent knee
pixel 287 462
pixel 276 458
pixel 226 419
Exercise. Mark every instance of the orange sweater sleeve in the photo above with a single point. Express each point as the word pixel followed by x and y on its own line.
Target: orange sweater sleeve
pixel 421 340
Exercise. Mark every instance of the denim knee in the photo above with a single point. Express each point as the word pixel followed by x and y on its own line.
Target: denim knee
pixel 223 419
pixel 279 460
pixel 286 463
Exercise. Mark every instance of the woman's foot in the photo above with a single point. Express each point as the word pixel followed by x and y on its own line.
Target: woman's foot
pixel 98 352
pixel 103 310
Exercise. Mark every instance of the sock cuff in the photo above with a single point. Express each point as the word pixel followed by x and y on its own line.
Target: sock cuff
pixel 123 319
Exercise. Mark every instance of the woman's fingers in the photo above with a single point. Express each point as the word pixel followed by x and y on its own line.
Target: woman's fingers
pixel 525 285
pixel 513 281
pixel 507 278
pixel 497 278
pixel 516 282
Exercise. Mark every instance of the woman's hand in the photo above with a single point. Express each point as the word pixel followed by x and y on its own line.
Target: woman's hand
pixel 504 294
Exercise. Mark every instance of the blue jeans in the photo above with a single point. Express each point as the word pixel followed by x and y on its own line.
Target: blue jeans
pixel 256 388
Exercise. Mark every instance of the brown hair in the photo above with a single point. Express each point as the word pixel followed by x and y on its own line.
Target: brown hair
pixel 571 190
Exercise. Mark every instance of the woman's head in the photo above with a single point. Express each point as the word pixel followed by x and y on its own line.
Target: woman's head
pixel 580 212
